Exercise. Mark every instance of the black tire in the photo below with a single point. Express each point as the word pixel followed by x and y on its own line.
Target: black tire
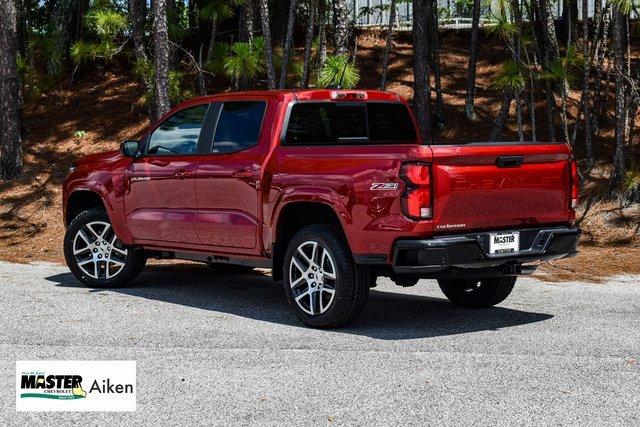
pixel 350 286
pixel 479 293
pixel 133 262
pixel 223 268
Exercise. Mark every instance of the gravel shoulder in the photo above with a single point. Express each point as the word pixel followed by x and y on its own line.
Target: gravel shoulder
pixel 226 350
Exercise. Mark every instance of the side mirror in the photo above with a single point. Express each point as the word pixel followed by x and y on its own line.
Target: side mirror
pixel 130 148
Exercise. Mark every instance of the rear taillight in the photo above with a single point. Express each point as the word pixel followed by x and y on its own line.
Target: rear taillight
pixel 417 201
pixel 575 185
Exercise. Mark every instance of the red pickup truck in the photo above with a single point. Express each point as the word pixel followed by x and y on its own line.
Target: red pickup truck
pixel 328 188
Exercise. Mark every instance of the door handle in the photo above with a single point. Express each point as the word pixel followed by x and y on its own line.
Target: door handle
pixel 245 173
pixel 181 174
pixel 509 161
pixel 159 162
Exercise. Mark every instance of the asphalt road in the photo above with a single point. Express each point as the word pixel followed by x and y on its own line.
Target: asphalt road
pixel 216 349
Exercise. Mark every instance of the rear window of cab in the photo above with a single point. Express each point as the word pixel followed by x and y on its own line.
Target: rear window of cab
pixel 346 123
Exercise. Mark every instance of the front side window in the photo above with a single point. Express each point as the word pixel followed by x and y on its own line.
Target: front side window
pixel 317 123
pixel 179 133
pixel 239 126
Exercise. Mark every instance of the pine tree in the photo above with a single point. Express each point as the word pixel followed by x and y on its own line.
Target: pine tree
pixel 161 56
pixel 421 85
pixel 268 50
pixel 10 141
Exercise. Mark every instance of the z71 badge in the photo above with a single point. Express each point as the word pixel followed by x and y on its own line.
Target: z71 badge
pixel 384 186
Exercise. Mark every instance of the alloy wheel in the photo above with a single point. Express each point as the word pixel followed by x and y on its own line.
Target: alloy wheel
pixel 312 275
pixel 98 252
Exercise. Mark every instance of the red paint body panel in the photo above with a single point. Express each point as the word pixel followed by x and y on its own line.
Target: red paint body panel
pixel 471 190
pixel 230 204
pixel 164 207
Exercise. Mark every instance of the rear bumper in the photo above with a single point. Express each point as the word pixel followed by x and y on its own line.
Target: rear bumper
pixel 471 251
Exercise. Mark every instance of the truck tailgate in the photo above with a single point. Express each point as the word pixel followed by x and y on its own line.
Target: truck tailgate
pixel 488 185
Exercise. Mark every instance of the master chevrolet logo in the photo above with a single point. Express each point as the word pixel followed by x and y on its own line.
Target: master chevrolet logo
pixel 52 386
pixel 75 385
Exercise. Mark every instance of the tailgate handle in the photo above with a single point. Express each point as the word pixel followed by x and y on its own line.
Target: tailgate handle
pixel 509 161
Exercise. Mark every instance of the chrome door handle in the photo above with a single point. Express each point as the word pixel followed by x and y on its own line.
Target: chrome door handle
pixel 246 173
pixel 182 174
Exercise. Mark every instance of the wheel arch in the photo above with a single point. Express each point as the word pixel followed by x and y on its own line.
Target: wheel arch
pixel 291 218
pixel 81 200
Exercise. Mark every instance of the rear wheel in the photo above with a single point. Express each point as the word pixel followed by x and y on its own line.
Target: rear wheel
pixel 477 293
pixel 324 287
pixel 96 256
pixel 222 268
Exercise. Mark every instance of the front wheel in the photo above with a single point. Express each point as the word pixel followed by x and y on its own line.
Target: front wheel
pixel 477 293
pixel 324 287
pixel 96 256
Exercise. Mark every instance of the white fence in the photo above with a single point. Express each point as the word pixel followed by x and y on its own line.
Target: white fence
pixel 452 13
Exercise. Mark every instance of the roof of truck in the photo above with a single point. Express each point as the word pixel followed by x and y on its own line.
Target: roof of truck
pixel 309 94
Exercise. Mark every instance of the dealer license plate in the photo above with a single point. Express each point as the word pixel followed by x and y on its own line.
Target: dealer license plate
pixel 504 243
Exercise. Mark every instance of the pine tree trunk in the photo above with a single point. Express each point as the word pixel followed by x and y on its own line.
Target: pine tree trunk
pixel 519 116
pixel 322 33
pixel 288 42
pixel 341 24
pixel 212 39
pixel 278 21
pixel 421 85
pixel 308 42
pixel 10 141
pixel 62 34
pixel 502 116
pixel 248 16
pixel 517 53
pixel 586 107
pixel 137 11
pixel 619 65
pixel 161 56
pixel 268 49
pixel 469 110
pixel 600 55
pixel 387 47
pixel 435 57
pixel 549 54
pixel 532 113
pixel 548 26
pixel 136 16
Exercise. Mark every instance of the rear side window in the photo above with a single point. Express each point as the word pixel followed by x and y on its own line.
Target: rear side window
pixel 239 126
pixel 320 123
pixel 389 122
pixel 179 133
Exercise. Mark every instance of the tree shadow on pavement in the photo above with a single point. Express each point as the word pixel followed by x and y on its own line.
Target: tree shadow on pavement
pixel 388 315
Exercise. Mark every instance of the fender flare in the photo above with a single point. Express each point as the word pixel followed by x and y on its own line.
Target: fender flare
pixel 324 196
pixel 101 191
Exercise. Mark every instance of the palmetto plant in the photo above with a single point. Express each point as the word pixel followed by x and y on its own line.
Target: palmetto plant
pixel 243 62
pixel 338 70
